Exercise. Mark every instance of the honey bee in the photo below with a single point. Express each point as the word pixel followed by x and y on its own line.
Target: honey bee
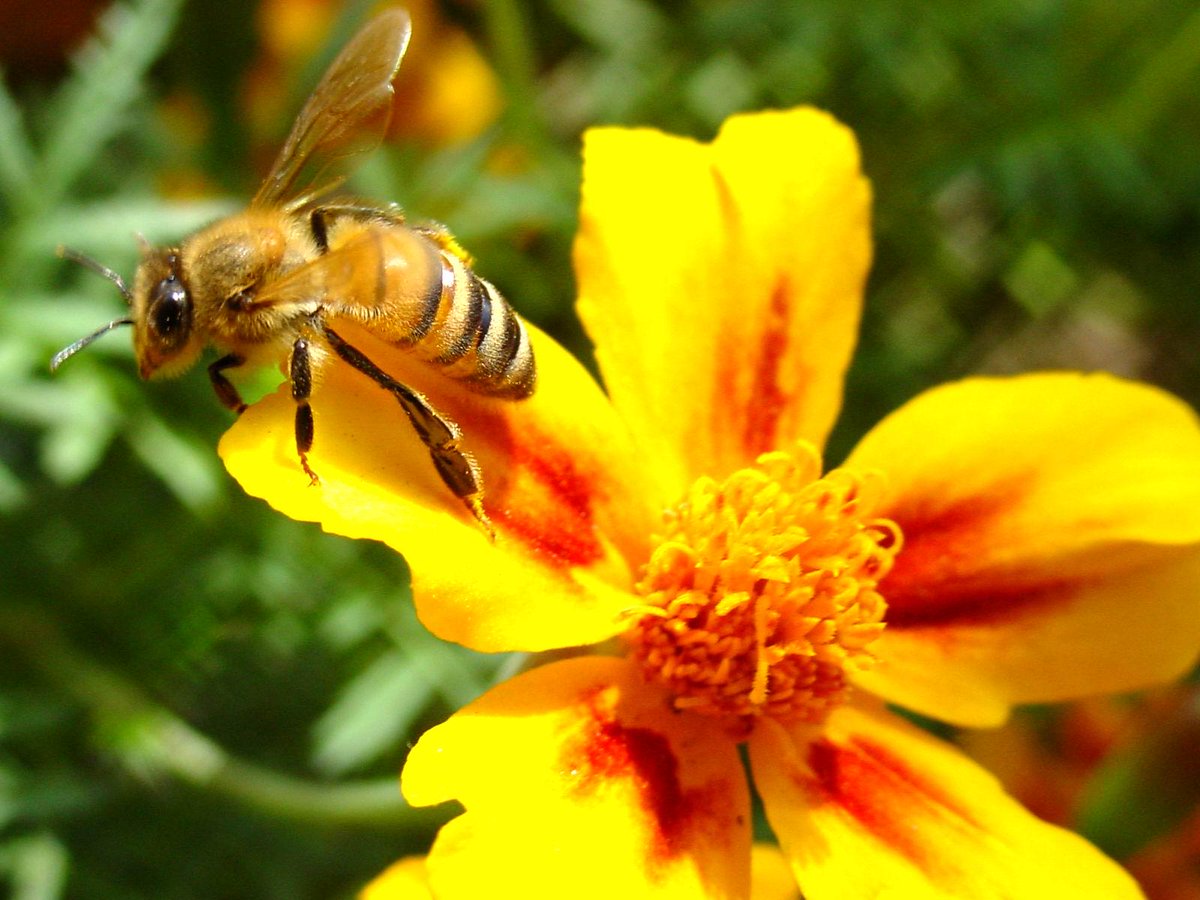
pixel 274 281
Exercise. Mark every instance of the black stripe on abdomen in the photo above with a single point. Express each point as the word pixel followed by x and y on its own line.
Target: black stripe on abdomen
pixel 506 365
pixel 463 316
pixel 439 287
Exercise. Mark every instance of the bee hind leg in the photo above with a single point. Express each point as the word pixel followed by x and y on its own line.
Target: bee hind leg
pixel 457 468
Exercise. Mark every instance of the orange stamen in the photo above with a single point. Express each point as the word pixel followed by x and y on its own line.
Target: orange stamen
pixel 760 598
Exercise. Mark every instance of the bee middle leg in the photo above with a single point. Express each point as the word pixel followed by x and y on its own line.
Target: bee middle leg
pixel 457 468
pixel 300 375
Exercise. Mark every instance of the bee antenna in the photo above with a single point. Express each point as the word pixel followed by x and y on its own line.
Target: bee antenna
pixel 102 270
pixel 67 352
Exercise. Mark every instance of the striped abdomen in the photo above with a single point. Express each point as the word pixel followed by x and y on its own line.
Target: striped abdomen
pixel 423 297
pixel 476 337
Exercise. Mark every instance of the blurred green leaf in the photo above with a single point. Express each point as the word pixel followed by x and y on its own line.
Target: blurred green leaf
pixel 17 159
pixel 36 866
pixel 108 77
pixel 185 465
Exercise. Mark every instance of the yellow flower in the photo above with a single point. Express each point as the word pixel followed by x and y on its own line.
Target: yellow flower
pixel 993 542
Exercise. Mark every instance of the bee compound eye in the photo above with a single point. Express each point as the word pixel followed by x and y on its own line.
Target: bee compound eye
pixel 170 311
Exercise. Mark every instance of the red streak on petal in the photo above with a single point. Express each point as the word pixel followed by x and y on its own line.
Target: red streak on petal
pixel 646 758
pixel 768 399
pixel 546 502
pixel 951 569
pixel 608 751
pixel 896 805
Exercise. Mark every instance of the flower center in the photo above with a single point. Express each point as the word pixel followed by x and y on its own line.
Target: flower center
pixel 760 598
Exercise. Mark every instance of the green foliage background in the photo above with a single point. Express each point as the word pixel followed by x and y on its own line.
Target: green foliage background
pixel 199 698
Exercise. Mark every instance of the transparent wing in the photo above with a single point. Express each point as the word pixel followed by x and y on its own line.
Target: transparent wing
pixel 347 113
pixel 339 273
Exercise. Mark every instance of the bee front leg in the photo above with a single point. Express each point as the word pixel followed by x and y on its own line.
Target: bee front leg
pixel 226 392
pixel 457 468
pixel 300 374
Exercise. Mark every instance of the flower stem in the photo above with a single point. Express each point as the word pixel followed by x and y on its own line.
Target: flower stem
pixel 151 740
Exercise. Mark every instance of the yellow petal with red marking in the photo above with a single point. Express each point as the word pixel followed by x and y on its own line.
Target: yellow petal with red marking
pixel 560 481
pixel 870 806
pixel 722 284
pixel 579 782
pixel 1051 532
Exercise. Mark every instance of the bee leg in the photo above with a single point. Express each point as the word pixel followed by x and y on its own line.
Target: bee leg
pixel 440 435
pixel 226 392
pixel 300 375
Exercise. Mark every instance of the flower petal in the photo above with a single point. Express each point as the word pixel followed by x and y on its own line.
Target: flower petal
pixel 870 806
pixel 771 875
pixel 722 284
pixel 1051 529
pixel 406 879
pixel 578 780
pixel 561 489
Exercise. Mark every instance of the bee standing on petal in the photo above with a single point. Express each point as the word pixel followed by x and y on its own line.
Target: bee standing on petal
pixel 272 282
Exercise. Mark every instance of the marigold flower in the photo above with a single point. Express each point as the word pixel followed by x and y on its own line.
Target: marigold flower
pixel 995 541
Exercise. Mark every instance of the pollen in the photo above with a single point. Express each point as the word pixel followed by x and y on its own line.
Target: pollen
pixel 761 596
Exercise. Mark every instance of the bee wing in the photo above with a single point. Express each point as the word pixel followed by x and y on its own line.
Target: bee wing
pixel 348 110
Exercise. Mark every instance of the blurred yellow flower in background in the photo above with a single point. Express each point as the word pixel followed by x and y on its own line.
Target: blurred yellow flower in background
pixel 447 91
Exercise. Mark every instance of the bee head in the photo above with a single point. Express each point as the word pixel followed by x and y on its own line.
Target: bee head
pixel 164 338
pixel 160 313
